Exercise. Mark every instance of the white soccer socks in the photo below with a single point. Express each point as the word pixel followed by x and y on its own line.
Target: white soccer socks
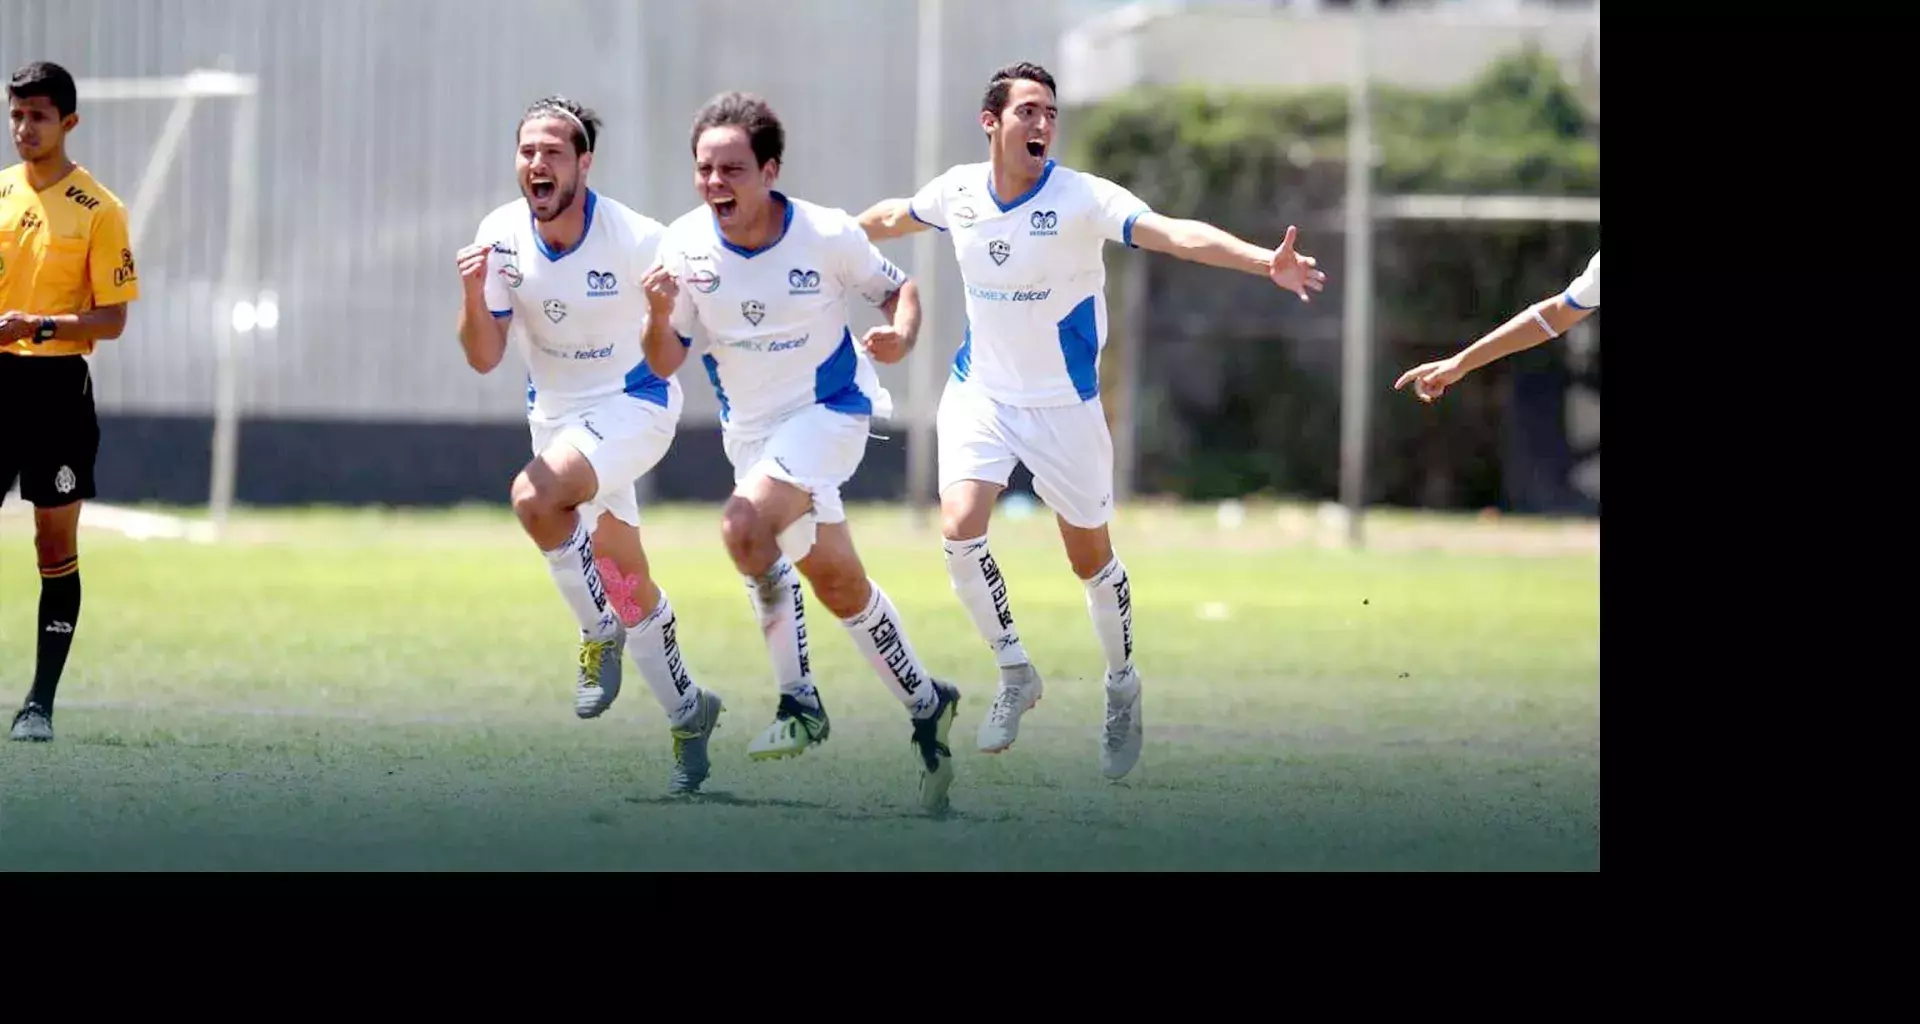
pixel 1110 603
pixel 574 572
pixel 882 640
pixel 780 604
pixel 983 592
pixel 656 653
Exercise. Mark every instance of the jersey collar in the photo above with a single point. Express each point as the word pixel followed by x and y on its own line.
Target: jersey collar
pixel 1040 183
pixel 586 228
pixel 786 224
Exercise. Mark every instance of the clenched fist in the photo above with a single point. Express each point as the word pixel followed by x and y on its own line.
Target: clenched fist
pixel 660 287
pixel 885 344
pixel 473 265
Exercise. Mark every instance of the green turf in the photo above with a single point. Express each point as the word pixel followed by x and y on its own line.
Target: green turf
pixel 368 690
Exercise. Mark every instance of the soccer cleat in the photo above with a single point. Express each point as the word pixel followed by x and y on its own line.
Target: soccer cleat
pixel 599 681
pixel 1121 738
pixel 1020 690
pixel 795 728
pixel 930 743
pixel 690 763
pixel 33 723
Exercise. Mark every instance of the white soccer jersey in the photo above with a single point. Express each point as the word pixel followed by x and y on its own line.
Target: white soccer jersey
pixel 1584 292
pixel 1035 278
pixel 579 316
pixel 773 322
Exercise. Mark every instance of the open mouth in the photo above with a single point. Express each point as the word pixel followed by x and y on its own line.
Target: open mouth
pixel 542 188
pixel 1036 148
pixel 723 208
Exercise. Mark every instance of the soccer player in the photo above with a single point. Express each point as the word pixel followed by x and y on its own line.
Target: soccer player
pixel 66 277
pixel 1536 325
pixel 1025 384
pixel 763 281
pixel 559 271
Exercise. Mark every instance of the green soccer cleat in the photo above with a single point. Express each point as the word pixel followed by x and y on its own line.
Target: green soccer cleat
pixel 795 728
pixel 690 762
pixel 930 744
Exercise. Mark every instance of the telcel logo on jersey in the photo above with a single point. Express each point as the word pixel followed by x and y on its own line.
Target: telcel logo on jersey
pixel 1003 295
pixel 1044 222
pixel 604 352
pixel 803 282
pixel 602 284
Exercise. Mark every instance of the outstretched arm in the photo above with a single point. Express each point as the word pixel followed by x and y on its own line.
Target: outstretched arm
pixel 1537 324
pixel 1200 242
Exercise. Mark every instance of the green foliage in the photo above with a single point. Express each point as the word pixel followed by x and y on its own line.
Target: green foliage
pixel 1519 127
pixel 1254 161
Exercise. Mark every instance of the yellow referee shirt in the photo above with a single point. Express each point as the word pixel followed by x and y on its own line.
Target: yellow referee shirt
pixel 62 250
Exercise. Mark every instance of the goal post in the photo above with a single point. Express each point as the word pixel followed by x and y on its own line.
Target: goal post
pixel 235 312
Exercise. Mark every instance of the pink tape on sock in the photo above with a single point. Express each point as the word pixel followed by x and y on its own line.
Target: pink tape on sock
pixel 622 590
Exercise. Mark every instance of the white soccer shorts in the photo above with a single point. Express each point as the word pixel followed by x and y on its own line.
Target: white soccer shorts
pixel 1067 448
pixel 815 449
pixel 623 438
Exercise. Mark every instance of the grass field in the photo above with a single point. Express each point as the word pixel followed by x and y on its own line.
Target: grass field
pixel 353 690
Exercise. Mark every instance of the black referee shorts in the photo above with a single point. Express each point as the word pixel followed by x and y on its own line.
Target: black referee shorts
pixel 49 432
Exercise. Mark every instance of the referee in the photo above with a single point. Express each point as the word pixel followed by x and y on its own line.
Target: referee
pixel 66 276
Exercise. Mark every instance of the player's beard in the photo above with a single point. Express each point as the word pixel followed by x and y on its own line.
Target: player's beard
pixel 562 201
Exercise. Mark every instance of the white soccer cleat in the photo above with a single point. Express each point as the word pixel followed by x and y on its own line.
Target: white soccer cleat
pixel 1123 734
pixel 1020 689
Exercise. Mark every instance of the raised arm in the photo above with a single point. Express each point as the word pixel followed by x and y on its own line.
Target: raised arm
pixel 665 347
pixel 483 331
pixel 891 218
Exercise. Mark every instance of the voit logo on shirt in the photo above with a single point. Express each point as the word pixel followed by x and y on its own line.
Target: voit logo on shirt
pixel 803 282
pixel 1045 222
pixel 602 283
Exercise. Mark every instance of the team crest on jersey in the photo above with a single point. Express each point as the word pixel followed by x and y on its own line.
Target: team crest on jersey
pixel 1045 222
pixel 803 282
pixel 999 251
pixel 602 283
pixel 555 309
pixel 754 311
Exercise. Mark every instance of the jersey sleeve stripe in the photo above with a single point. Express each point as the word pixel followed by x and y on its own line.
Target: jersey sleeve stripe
pixel 1575 303
pixel 1126 232
pixel 916 216
pixel 500 314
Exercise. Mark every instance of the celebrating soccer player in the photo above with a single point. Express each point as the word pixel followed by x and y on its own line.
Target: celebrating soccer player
pixel 1025 385
pixel 763 281
pixel 559 270
pixel 66 276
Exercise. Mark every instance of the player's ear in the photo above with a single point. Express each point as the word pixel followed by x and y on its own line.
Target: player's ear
pixel 586 162
pixel 70 122
pixel 987 121
pixel 771 170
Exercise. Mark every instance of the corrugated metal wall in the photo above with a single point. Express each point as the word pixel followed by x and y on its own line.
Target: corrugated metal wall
pixel 386 132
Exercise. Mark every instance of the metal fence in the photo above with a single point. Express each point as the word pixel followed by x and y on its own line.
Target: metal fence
pixel 386 132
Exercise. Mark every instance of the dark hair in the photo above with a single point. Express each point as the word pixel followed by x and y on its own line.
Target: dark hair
pixel 561 107
pixel 1000 86
pixel 47 79
pixel 750 114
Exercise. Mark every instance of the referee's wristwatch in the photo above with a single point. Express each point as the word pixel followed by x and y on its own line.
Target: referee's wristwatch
pixel 44 332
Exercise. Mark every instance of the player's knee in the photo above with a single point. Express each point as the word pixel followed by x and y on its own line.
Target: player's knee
pixel 1089 552
pixel 55 536
pixel 839 583
pixel 743 531
pixel 533 502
